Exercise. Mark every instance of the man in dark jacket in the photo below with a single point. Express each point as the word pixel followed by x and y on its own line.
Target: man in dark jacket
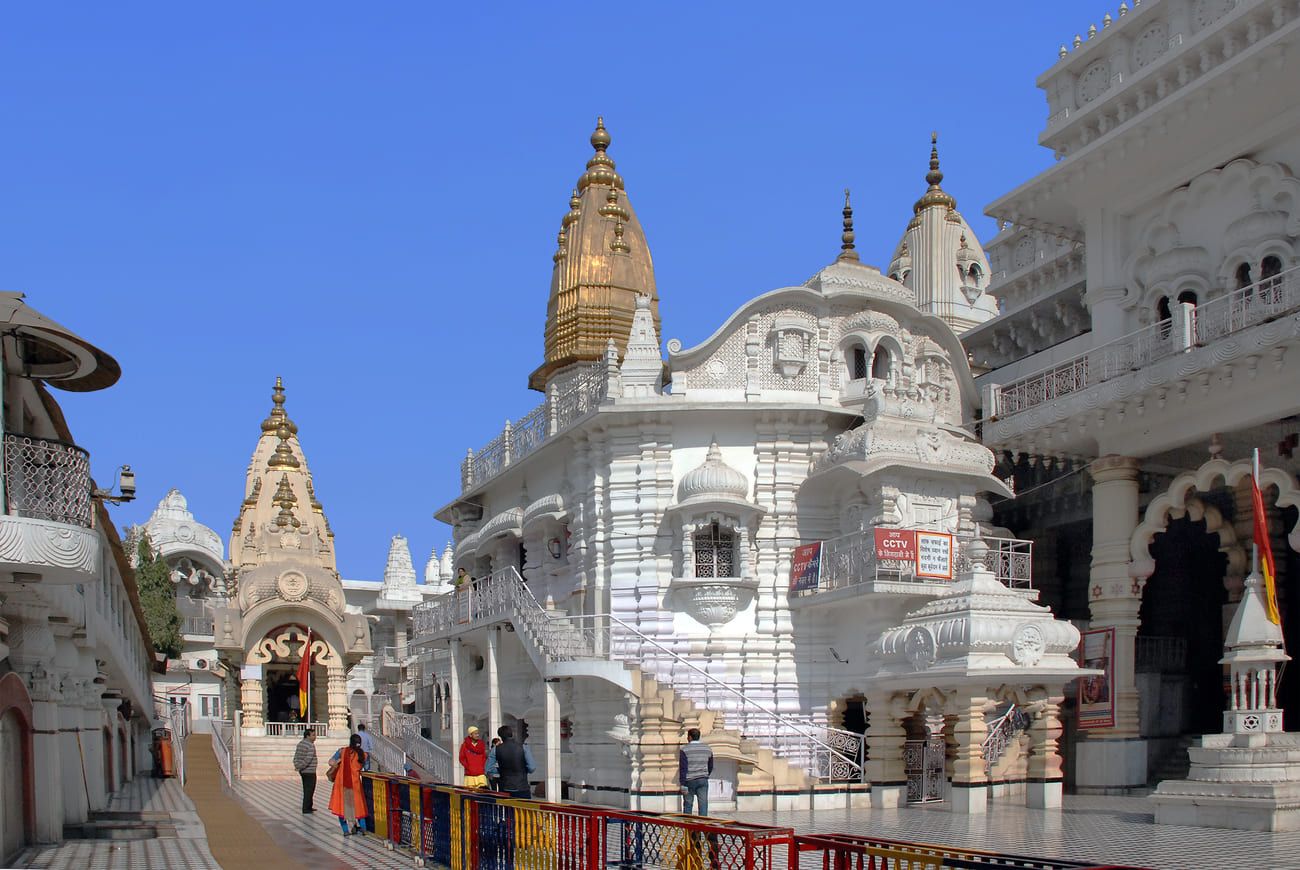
pixel 513 764
pixel 694 767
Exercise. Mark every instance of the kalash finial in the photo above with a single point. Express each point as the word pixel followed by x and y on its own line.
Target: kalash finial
pixel 935 195
pixel 283 456
pixel 847 248
pixel 286 501
pixel 278 414
pixel 600 137
pixel 600 168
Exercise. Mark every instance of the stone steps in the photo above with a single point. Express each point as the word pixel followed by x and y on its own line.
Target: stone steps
pixel 270 757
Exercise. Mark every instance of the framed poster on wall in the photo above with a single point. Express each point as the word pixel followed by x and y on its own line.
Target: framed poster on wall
pixel 1097 692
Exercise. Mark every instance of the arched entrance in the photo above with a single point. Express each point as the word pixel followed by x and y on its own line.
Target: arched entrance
pixel 279 654
pixel 1192 552
pixel 17 808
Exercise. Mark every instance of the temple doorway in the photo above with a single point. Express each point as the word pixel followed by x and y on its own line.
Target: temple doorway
pixel 282 699
pixel 925 758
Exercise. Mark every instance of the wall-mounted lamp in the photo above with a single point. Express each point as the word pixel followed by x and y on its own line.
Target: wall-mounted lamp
pixel 124 483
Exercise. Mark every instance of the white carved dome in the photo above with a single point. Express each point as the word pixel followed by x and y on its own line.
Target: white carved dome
pixel 714 479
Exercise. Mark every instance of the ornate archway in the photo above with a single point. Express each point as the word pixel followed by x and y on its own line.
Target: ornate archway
pixel 275 656
pixel 17 807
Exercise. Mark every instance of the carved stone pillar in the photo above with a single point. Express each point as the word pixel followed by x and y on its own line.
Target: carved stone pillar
pixel 252 702
pixel 967 729
pixel 1043 790
pixel 494 681
pixel 885 738
pixel 457 710
pixel 337 696
pixel 552 761
pixel 92 745
pixel 31 655
pixel 1116 758
pixel 67 661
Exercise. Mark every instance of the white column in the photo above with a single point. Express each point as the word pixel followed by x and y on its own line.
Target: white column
pixel 76 803
pixel 494 683
pixel 1110 759
pixel 968 729
pixel 552 763
pixel 336 699
pixel 457 713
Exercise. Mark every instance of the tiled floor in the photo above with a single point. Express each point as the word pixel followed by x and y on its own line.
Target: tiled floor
pixel 186 849
pixel 276 804
pixel 1117 830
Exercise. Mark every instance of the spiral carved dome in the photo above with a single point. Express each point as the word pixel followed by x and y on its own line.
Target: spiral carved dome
pixel 714 479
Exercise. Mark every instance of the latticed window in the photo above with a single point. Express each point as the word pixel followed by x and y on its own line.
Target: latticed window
pixel 715 552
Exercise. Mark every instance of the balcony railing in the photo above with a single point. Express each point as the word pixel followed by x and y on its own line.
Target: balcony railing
pixel 295 729
pixel 1241 309
pixel 47 480
pixel 562 408
pixel 201 626
pixel 851 561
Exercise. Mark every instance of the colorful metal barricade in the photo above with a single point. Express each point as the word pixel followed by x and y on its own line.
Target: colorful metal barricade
pixel 648 840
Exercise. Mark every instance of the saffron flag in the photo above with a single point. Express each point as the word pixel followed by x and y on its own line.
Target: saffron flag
pixel 1266 565
pixel 304 678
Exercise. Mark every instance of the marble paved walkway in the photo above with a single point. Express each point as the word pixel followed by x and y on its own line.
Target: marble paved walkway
pixel 1116 830
pixel 182 845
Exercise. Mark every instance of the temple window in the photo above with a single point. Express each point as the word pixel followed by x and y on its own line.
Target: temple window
pixel 1188 296
pixel 1164 316
pixel 1270 268
pixel 858 362
pixel 715 552
pixel 1243 276
pixel 975 274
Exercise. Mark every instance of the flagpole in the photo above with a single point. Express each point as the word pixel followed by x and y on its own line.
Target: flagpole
pixel 307 654
pixel 1254 546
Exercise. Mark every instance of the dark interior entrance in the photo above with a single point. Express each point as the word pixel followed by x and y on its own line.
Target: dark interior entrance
pixel 282 694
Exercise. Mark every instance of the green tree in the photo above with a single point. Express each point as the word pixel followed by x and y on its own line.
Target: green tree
pixel 158 599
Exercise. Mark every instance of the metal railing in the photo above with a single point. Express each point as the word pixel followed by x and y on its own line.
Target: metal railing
pixel 850 560
pixel 561 409
pixel 827 753
pixel 47 480
pixel 385 755
pixel 1249 306
pixel 221 734
pixel 295 729
pixel 202 626
pixel 404 730
pixel 1002 731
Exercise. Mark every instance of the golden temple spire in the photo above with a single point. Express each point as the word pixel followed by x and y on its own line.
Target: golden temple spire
pixel 601 265
pixel 847 247
pixel 935 194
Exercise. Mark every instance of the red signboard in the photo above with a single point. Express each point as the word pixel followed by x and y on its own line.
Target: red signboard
pixel 806 567
pixel 896 545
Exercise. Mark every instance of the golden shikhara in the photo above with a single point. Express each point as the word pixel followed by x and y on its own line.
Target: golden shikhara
pixel 602 263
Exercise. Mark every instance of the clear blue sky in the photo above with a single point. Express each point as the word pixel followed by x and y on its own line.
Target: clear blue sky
pixel 364 199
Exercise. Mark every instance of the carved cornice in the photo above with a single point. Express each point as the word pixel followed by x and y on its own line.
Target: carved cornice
pixel 58 552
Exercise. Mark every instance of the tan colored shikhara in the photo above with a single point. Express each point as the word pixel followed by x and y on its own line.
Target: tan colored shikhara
pixel 602 263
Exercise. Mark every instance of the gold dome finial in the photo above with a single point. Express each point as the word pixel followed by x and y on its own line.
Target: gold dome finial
pixel 935 195
pixel 283 456
pixel 600 168
pixel 559 247
pixel 575 210
pixel 286 501
pixel 618 245
pixel 600 137
pixel 847 247
pixel 278 414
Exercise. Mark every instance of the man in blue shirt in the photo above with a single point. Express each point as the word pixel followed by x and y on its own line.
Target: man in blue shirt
pixel 367 743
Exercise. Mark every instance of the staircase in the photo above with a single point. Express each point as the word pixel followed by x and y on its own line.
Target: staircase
pixel 605 647
pixel 271 757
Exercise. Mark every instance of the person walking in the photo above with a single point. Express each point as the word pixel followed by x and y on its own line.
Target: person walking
pixel 346 800
pixel 304 761
pixel 473 758
pixel 694 767
pixel 492 770
pixel 367 743
pixel 514 763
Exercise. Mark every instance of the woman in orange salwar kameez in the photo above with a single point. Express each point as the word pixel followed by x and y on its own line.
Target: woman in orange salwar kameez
pixel 346 800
